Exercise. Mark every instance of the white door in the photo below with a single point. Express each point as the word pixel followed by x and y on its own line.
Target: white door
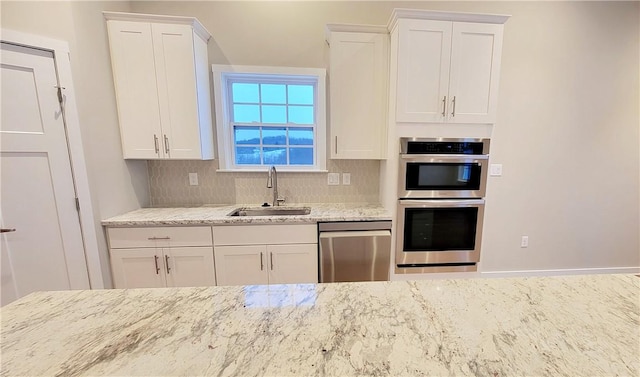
pixel 293 264
pixel 137 268
pixel 176 72
pixel 241 265
pixel 134 76
pixel 46 251
pixel 424 53
pixel 189 266
pixel 475 67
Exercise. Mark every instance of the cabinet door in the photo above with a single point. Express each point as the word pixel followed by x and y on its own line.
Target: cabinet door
pixel 189 266
pixel 137 268
pixel 292 264
pixel 358 74
pixel 175 67
pixel 241 265
pixel 475 70
pixel 424 52
pixel 134 76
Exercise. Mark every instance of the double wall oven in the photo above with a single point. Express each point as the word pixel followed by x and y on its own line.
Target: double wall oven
pixel 442 184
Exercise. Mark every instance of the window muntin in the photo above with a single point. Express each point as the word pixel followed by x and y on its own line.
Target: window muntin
pixel 270 116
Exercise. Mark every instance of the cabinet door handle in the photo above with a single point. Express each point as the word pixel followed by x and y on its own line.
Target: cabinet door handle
pixel 336 145
pixel 155 259
pixel 155 142
pixel 166 144
pixel 166 260
pixel 158 238
pixel 271 257
pixel 444 106
pixel 453 113
pixel 7 230
pixel 261 263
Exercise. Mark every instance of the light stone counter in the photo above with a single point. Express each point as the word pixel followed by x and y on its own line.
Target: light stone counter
pixel 552 326
pixel 217 215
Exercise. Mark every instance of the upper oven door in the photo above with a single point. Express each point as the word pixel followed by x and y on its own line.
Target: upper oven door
pixel 442 176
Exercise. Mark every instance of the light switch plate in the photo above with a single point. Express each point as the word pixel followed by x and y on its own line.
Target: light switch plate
pixel 193 179
pixel 495 170
pixel 333 179
pixel 346 178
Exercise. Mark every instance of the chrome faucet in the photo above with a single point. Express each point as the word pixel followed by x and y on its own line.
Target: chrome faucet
pixel 272 181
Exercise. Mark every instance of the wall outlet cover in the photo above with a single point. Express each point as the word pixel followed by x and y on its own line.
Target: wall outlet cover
pixel 346 178
pixel 193 179
pixel 333 179
pixel 495 170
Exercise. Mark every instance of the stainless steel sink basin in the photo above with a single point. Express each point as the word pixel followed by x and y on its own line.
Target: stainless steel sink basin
pixel 270 211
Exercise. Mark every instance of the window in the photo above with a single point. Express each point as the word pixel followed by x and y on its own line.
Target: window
pixel 270 116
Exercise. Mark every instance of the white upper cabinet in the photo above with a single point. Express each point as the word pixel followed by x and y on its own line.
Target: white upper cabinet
pixel 448 66
pixel 162 86
pixel 358 81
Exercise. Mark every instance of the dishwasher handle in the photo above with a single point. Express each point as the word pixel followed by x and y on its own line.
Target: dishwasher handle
pixel 363 233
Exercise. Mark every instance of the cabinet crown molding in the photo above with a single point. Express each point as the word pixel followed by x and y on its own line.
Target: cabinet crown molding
pixel 198 28
pixel 353 28
pixel 444 16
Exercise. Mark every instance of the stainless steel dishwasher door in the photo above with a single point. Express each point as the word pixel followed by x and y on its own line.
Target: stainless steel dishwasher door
pixel 356 255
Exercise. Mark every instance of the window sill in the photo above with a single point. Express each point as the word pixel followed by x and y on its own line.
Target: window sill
pixel 280 170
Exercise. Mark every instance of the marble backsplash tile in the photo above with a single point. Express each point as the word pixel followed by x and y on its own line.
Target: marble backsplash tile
pixel 169 181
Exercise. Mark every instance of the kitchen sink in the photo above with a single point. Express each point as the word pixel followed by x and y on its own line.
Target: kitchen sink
pixel 270 211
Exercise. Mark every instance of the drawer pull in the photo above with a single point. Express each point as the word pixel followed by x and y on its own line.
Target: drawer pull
pixel 158 238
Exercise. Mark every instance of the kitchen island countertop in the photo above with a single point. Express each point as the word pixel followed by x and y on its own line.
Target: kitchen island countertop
pixel 218 215
pixel 553 326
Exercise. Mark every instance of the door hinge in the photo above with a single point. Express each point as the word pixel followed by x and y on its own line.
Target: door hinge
pixel 77 204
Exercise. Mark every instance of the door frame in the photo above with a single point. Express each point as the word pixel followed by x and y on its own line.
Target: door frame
pixel 60 50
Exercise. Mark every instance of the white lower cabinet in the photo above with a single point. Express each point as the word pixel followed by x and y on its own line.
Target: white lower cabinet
pixel 161 257
pixel 266 254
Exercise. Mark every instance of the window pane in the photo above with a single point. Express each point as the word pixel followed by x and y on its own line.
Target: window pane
pixel 275 156
pixel 300 136
pixel 245 92
pixel 274 114
pixel 301 114
pixel 301 156
pixel 301 94
pixel 247 135
pixel 247 156
pixel 273 93
pixel 274 136
pixel 246 113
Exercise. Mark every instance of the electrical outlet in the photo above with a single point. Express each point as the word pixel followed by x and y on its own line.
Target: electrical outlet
pixel 495 170
pixel 346 178
pixel 524 242
pixel 193 179
pixel 333 179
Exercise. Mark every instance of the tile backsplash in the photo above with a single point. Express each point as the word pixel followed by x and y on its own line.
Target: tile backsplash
pixel 169 182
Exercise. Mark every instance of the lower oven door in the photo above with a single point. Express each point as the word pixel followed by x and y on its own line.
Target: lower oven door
pixel 439 231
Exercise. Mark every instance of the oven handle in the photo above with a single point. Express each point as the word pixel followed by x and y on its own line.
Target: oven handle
pixel 448 157
pixel 426 203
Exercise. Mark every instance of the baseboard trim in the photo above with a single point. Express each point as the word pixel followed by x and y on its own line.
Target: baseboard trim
pixel 571 271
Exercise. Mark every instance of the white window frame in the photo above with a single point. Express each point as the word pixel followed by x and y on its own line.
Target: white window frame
pixel 223 74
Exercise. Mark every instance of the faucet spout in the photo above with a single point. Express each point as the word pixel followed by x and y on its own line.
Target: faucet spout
pixel 272 182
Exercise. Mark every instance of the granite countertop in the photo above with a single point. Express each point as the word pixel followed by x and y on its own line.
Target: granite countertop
pixel 217 215
pixel 550 326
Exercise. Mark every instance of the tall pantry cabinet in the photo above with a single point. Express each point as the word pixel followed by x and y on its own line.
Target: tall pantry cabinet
pixel 161 78
pixel 446 66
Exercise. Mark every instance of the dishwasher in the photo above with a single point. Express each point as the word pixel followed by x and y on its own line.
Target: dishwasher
pixel 354 251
